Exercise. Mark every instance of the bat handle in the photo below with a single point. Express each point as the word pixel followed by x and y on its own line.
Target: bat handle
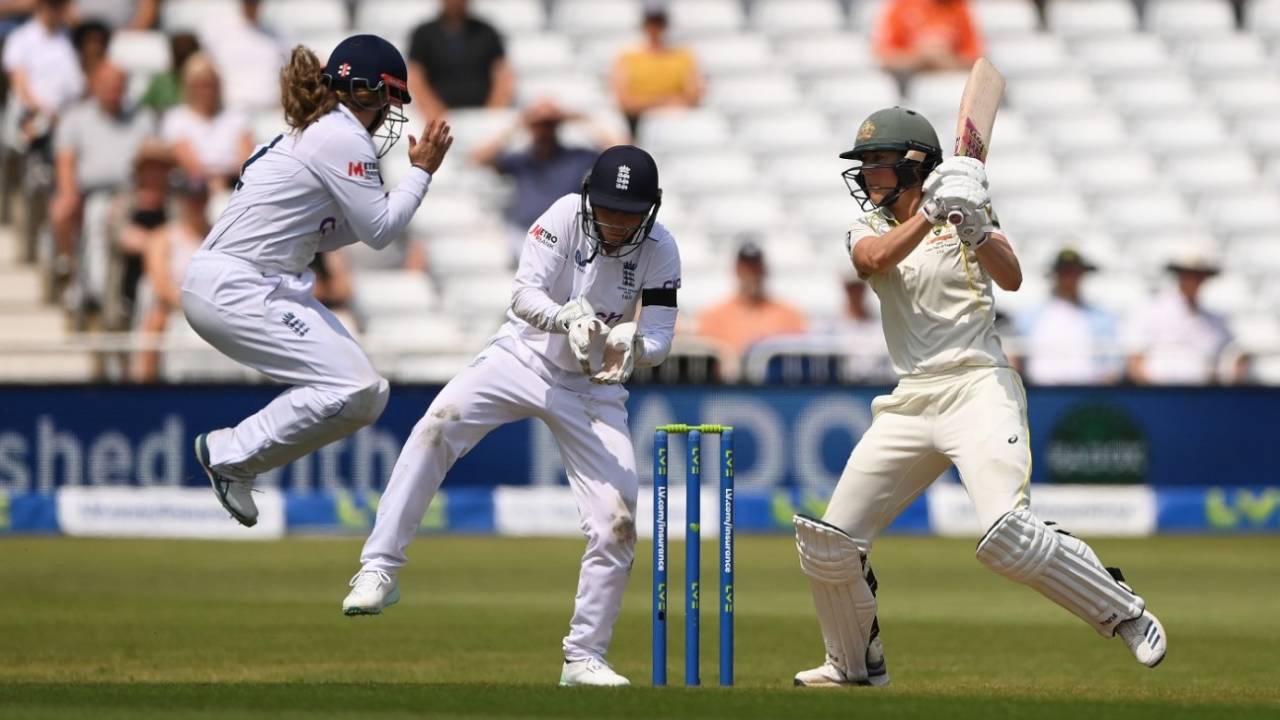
pixel 955 217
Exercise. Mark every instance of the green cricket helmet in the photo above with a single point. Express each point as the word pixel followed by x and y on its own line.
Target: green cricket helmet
pixel 901 130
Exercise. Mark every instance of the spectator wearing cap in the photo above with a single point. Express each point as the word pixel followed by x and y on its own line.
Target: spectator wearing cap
pixel 1174 340
pixel 1067 341
pixel 209 141
pixel 655 74
pixel 458 61
pixel 751 314
pixel 915 36
pixel 544 171
pixel 246 50
pixel 858 330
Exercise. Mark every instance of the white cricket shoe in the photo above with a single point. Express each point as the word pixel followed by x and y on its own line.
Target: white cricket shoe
pixel 372 591
pixel 235 495
pixel 830 675
pixel 592 671
pixel 1145 637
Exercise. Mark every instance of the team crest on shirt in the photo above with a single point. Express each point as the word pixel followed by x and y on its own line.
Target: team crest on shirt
pixel 543 236
pixel 629 274
pixel 364 170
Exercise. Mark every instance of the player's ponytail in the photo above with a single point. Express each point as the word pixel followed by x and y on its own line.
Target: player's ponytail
pixel 305 97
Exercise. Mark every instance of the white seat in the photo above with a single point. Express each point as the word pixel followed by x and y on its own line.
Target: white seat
pixel 394 19
pixel 1237 213
pixel 478 298
pixel 391 292
pixel 1091 18
pixel 755 93
pixel 1247 95
pixel 728 214
pixel 1045 212
pixel 811 56
pixel 584 18
pixel 935 92
pixel 1189 18
pixel 825 217
pixel 1260 132
pixel 1153 93
pixel 512 18
pixel 450 213
pixel 709 172
pixel 266 124
pixel 599 53
pixel 1146 210
pixel 849 100
pixel 807 174
pixel 323 43
pixel 698 18
pixel 408 334
pixel 865 15
pixel 790 131
pixel 435 368
pixel 1016 173
pixel 140 51
pixel 734 54
pixel 1006 17
pixel 571 89
pixel 672 129
pixel 1052 95
pixel 1227 294
pixel 1256 331
pixel 1263 18
pixel 796 17
pixel 816 296
pixel 1084 130
pixel 1123 55
pixel 1033 54
pixel 195 15
pixel 472 127
pixel 539 52
pixel 1118 293
pixel 305 17
pixel 1219 169
pixel 1108 171
pixel 1181 133
pixel 1228 54
pixel 1254 254
pixel 467 254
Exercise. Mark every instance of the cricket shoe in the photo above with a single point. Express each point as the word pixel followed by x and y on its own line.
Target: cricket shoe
pixel 1145 637
pixel 830 675
pixel 372 591
pixel 591 671
pixel 235 495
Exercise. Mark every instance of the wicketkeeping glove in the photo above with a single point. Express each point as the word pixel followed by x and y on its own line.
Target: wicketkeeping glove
pixel 572 310
pixel 622 349
pixel 583 334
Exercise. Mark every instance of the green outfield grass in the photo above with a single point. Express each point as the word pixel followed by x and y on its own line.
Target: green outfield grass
pixel 153 629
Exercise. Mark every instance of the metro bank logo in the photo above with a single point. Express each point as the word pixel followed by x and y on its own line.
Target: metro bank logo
pixel 363 169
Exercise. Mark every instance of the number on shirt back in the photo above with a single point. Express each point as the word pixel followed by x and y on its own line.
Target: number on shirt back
pixel 261 151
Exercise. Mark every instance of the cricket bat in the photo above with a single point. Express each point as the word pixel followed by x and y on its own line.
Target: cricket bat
pixel 978 105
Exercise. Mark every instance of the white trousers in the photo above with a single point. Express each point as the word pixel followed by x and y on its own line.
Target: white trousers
pixel 273 324
pixel 508 382
pixel 972 417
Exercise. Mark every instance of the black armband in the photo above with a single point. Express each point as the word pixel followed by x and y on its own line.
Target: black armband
pixel 665 297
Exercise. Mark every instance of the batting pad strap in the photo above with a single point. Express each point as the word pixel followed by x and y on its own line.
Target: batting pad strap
pixel 1060 567
pixel 844 601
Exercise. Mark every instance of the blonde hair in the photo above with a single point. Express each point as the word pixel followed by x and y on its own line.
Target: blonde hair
pixel 305 96
pixel 201 64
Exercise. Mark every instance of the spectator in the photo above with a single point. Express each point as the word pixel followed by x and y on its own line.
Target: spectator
pixel 169 248
pixel 333 279
pixel 654 74
pixel 44 75
pixel 121 15
pixel 165 89
pixel 916 36
pixel 209 141
pixel 750 314
pixel 458 61
pixel 13 13
pixel 251 56
pixel 91 38
pixel 1174 341
pixel 90 141
pixel 545 171
pixel 1069 342
pixel 145 212
pixel 859 331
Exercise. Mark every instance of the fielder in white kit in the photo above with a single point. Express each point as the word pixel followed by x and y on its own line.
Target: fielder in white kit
pixel 957 401
pixel 590 263
pixel 248 291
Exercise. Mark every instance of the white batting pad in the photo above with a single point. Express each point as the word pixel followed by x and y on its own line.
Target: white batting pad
pixel 845 602
pixel 1061 567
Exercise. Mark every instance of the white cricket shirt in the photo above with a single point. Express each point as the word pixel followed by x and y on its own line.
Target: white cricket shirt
pixel 936 305
pixel 554 269
pixel 318 189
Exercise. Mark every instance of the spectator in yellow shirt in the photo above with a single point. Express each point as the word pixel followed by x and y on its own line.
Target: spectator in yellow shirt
pixel 655 74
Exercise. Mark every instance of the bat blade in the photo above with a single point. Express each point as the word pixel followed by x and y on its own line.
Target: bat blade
pixel 978 106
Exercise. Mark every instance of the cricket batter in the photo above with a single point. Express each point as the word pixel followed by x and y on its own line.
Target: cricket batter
pixel 248 291
pixel 957 402
pixel 589 264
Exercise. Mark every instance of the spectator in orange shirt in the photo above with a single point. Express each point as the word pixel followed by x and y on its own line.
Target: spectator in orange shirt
pixel 926 36
pixel 750 315
pixel 655 74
